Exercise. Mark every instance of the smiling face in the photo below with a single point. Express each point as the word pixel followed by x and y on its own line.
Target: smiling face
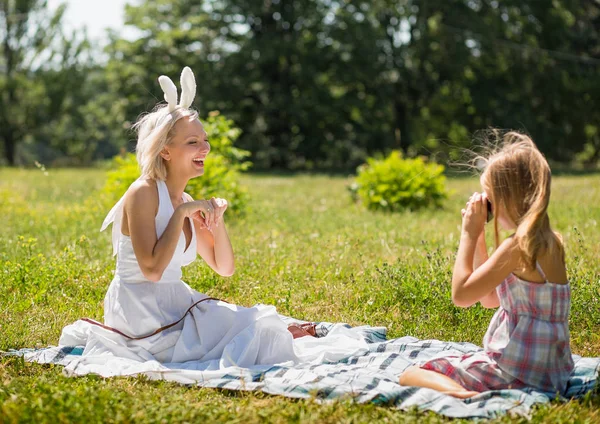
pixel 186 152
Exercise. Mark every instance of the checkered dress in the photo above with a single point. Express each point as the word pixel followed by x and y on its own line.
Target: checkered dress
pixel 526 344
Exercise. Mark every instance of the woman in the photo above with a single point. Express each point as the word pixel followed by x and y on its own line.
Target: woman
pixel 149 312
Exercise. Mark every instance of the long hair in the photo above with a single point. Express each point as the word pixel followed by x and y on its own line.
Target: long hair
pixel 155 131
pixel 517 180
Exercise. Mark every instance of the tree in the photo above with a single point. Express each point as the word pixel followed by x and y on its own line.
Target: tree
pixel 43 73
pixel 26 31
pixel 323 84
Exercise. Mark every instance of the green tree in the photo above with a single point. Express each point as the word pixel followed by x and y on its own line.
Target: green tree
pixel 42 70
pixel 26 31
pixel 324 84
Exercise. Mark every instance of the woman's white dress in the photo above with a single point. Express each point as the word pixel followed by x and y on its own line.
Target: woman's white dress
pixel 214 335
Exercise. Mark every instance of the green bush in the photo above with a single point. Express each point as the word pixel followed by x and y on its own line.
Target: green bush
pixel 396 183
pixel 221 171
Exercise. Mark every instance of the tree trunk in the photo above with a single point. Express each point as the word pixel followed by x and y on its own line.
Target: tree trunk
pixel 401 131
pixel 9 147
pixel 8 134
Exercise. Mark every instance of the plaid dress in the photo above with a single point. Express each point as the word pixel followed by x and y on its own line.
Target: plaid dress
pixel 526 344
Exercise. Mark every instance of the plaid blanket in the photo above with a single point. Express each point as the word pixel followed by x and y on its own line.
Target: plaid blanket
pixel 370 377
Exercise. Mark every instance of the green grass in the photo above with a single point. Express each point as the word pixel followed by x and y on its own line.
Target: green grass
pixel 302 246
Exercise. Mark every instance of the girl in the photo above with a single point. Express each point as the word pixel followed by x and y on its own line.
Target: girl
pixel 149 312
pixel 527 342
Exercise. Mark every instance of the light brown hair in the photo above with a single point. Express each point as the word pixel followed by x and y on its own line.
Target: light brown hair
pixel 517 179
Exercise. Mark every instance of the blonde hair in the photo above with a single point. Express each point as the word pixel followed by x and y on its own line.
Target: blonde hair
pixel 517 178
pixel 155 131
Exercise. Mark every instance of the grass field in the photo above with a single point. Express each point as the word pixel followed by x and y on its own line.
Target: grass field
pixel 302 246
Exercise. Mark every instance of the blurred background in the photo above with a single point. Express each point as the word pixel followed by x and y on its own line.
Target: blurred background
pixel 312 84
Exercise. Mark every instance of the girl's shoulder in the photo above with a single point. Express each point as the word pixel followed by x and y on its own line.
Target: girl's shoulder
pixel 509 255
pixel 549 267
pixel 509 249
pixel 552 266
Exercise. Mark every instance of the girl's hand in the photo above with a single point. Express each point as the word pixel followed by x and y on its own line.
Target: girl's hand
pixel 475 215
pixel 202 211
pixel 220 206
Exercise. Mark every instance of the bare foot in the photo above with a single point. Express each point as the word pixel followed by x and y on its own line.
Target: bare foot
pixel 461 394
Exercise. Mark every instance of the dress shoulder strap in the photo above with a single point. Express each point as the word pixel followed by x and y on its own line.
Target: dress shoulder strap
pixel 115 217
pixel 162 191
pixel 165 206
pixel 540 270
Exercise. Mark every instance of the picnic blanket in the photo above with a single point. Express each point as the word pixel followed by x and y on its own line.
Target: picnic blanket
pixel 370 375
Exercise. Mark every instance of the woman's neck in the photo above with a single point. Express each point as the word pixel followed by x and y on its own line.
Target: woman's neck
pixel 176 186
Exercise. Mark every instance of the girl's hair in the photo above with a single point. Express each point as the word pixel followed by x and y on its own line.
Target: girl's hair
pixel 155 131
pixel 517 179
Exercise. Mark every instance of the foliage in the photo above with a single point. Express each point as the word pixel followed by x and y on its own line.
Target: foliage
pixel 221 171
pixel 322 84
pixel 92 125
pixel 396 183
pixel 43 74
pixel 326 84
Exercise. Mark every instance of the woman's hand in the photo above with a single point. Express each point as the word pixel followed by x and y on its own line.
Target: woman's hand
pixel 202 211
pixel 219 207
pixel 475 215
pixel 214 245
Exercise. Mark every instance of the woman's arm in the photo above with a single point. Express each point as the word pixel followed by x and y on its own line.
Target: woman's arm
pixel 153 254
pixel 215 248
pixel 213 244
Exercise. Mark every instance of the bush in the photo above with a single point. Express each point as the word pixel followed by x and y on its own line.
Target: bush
pixel 395 183
pixel 221 171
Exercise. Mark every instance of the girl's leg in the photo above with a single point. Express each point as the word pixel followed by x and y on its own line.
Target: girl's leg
pixel 415 376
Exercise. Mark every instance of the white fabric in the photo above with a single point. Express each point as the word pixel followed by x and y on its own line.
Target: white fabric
pixel 213 336
pixel 169 90
pixel 188 89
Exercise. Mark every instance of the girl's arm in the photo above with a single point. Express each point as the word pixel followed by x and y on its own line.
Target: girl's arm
pixel 481 256
pixel 214 245
pixel 470 285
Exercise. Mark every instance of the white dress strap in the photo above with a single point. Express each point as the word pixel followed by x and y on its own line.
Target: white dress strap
pixel 115 217
pixel 164 198
pixel 540 270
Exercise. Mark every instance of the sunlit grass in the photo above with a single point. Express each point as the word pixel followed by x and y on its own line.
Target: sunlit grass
pixel 302 246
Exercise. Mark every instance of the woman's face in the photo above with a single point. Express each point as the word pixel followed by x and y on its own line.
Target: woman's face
pixel 188 149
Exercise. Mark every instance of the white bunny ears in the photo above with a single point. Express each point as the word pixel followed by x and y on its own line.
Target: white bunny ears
pixel 188 89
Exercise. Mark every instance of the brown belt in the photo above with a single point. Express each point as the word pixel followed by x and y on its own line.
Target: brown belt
pixel 106 327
